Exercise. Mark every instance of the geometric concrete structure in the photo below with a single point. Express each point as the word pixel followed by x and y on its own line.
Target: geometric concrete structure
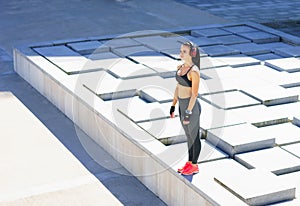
pixel 122 94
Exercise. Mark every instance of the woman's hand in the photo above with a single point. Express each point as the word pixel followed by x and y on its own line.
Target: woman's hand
pixel 172 110
pixel 186 118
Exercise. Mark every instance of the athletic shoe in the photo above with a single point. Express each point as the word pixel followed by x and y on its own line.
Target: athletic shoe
pixel 192 169
pixel 187 164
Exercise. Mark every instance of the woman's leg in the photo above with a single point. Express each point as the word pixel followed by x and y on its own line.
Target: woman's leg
pixel 192 129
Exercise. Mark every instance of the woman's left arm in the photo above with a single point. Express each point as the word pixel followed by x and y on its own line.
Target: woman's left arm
pixel 195 78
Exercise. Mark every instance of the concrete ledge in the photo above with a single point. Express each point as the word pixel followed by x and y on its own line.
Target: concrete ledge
pixel 119 131
pixel 134 154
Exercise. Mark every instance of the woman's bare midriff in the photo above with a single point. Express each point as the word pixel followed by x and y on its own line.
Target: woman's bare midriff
pixel 184 92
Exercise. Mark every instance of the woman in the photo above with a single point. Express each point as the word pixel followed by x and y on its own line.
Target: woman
pixel 186 93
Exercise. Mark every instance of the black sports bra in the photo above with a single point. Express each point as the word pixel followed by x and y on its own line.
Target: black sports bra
pixel 183 80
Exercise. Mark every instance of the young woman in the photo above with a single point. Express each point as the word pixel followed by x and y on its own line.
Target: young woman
pixel 186 93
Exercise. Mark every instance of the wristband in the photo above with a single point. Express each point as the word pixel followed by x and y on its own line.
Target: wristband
pixel 189 112
pixel 172 110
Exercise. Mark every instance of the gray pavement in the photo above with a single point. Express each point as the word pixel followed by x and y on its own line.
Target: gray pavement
pixel 279 14
pixel 27 22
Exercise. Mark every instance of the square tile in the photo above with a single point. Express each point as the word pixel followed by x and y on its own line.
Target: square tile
pixel 266 188
pixel 251 48
pixel 230 100
pixel 288 52
pixel 156 94
pixel 219 50
pixel 240 138
pixel 230 39
pixel 239 60
pixel 240 29
pixel 209 32
pixel 286 133
pixel 126 69
pixel 120 42
pixel 271 95
pixel 88 47
pixel 283 162
pixel 260 37
pixel 285 64
pixel 168 131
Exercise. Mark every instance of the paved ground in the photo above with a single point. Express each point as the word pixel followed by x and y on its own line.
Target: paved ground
pixel 279 14
pixel 31 21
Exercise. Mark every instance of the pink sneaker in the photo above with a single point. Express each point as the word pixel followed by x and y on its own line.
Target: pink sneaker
pixel 192 169
pixel 187 164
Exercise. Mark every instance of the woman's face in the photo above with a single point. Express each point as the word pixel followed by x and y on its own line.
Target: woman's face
pixel 185 53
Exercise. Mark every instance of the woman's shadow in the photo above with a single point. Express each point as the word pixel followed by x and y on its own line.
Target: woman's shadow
pixel 188 177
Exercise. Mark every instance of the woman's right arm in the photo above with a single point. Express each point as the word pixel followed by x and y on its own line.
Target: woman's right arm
pixel 175 98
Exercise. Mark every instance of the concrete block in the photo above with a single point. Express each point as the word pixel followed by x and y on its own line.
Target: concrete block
pixel 239 138
pixel 286 64
pixel 212 86
pixel 289 110
pixel 211 118
pixel 288 52
pixel 251 49
pixel 219 50
pixel 238 60
pixel 283 163
pixel 264 57
pixel 63 57
pixel 101 61
pixel 156 94
pixel 209 32
pixel 126 69
pixel 204 41
pixel 260 37
pixel 120 42
pixel 138 110
pixel 210 62
pixel 168 131
pixel 230 100
pixel 230 39
pixel 271 95
pixel 266 188
pixel 259 115
pixel 132 50
pixel 219 73
pixel 276 45
pixel 160 43
pixel 88 47
pixel 240 29
pixel 286 133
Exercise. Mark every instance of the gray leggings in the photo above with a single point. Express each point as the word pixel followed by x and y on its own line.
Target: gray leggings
pixel 192 130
